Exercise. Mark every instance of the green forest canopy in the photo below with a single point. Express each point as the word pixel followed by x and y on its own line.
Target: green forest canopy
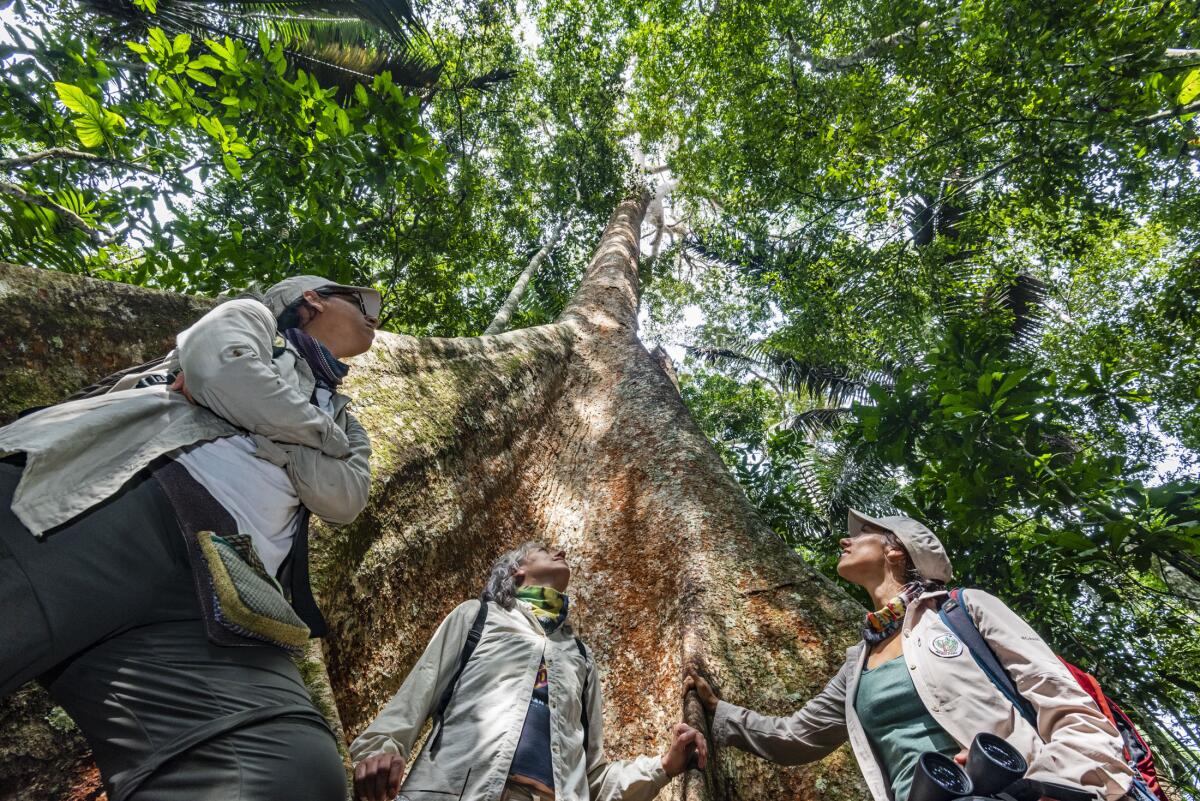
pixel 933 256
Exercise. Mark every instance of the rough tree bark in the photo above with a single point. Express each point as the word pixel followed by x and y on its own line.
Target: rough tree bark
pixel 499 323
pixel 568 432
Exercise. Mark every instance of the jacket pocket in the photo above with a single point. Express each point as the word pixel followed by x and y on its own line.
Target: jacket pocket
pixel 427 781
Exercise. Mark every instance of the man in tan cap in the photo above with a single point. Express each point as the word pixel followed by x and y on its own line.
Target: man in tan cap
pixel 154 548
pixel 910 686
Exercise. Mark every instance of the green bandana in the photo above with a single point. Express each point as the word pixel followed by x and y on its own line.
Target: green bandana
pixel 549 605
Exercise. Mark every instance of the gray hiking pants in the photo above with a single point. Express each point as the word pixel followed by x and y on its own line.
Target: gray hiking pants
pixel 103 610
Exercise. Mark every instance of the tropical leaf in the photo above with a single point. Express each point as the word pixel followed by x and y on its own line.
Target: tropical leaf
pixel 1025 297
pixel 341 42
pixel 831 382
pixel 94 124
pixel 816 422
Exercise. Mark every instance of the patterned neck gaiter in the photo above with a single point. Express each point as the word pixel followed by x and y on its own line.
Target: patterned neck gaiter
pixel 328 371
pixel 549 605
pixel 885 622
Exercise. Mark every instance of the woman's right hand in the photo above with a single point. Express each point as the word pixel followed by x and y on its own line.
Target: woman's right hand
pixel 378 778
pixel 694 681
pixel 179 385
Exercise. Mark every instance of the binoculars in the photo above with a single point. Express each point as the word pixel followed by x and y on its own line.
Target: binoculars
pixel 992 766
pixel 994 770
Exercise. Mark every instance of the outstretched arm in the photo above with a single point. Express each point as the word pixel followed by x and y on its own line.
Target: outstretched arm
pixel 804 736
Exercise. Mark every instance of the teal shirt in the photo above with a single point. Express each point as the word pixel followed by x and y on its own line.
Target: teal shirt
pixel 897 723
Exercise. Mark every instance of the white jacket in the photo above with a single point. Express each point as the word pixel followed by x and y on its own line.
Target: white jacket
pixel 1073 743
pixel 81 452
pixel 484 718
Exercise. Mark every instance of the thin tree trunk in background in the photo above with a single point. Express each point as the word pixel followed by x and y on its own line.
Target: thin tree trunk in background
pixel 499 323
pixel 571 433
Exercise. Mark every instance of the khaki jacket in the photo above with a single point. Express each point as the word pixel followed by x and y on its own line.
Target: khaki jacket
pixel 1073 742
pixel 81 452
pixel 487 710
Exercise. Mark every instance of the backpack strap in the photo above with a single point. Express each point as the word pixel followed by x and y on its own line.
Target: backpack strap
pixel 105 385
pixel 587 678
pixel 473 637
pixel 956 618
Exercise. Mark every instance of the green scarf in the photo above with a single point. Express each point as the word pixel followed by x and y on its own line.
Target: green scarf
pixel 549 605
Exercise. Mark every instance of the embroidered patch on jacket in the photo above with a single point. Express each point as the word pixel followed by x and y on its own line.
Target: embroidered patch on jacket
pixel 946 646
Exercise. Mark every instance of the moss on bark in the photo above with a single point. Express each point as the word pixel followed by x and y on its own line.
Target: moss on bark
pixel 62 332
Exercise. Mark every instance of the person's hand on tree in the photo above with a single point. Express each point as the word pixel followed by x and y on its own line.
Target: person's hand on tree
pixel 378 778
pixel 694 681
pixel 179 385
pixel 684 742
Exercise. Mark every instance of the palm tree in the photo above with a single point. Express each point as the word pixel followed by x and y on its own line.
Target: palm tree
pixel 341 42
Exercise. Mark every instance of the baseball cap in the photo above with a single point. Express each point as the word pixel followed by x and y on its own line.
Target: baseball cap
pixel 928 555
pixel 289 290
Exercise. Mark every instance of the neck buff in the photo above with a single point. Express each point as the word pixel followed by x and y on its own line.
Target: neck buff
pixel 549 605
pixel 328 371
pixel 885 622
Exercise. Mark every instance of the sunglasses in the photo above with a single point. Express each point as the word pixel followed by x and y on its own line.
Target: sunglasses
pixel 362 307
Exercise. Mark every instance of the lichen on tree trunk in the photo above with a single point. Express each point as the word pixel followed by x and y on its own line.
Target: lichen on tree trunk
pixel 572 433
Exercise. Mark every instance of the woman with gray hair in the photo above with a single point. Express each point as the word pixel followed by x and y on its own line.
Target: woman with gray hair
pixel 516 705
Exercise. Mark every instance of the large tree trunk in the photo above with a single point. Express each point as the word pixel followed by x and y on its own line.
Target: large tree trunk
pixel 572 433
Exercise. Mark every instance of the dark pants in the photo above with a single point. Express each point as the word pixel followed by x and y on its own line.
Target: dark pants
pixel 104 611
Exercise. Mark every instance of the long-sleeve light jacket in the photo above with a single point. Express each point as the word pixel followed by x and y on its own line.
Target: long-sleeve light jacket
pixel 484 718
pixel 1072 744
pixel 244 379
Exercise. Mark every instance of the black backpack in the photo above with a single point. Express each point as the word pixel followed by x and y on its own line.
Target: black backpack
pixel 473 637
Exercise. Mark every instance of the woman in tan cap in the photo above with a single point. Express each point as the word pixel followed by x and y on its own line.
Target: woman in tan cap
pixel 153 549
pixel 911 686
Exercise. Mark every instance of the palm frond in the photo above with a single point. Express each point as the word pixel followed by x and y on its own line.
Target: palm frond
pixel 919 213
pixel 343 65
pixel 817 422
pixel 397 18
pixel 833 383
pixel 491 78
pixel 833 479
pixel 1025 297
pixel 942 216
pixel 719 357
pixel 730 251
pixel 341 42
